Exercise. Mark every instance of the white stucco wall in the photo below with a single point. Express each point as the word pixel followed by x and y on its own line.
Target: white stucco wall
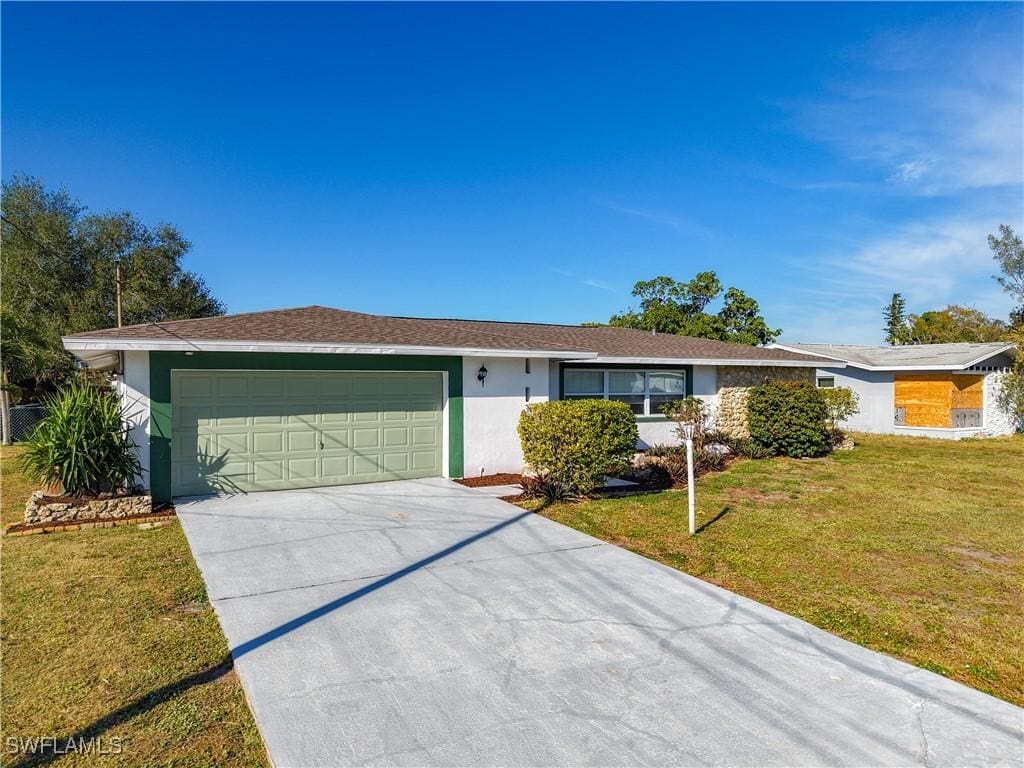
pixel 491 411
pixel 877 396
pixel 133 387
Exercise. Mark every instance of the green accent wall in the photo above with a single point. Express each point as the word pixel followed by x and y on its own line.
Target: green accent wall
pixel 162 363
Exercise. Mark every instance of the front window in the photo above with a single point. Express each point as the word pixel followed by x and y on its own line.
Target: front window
pixel 826 382
pixel 645 392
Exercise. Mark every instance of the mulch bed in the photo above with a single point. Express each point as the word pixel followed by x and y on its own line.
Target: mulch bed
pixel 24 529
pixel 502 478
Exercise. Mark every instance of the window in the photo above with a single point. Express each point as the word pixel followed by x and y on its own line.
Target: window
pixel 666 387
pixel 643 391
pixel 628 387
pixel 527 365
pixel 826 382
pixel 583 384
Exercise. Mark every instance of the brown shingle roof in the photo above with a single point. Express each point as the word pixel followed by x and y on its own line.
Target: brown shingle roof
pixel 323 325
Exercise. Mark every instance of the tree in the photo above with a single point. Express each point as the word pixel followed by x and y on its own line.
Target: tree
pixel 955 324
pixel 58 263
pixel 896 331
pixel 668 306
pixel 1008 251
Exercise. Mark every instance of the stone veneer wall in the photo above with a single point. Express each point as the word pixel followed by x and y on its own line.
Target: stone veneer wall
pixel 110 508
pixel 734 383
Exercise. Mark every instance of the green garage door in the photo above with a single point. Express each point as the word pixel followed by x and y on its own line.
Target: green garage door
pixel 237 431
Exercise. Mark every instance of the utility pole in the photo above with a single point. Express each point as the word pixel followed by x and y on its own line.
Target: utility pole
pixel 117 283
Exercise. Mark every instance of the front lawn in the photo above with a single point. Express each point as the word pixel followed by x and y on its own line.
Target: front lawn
pixel 107 633
pixel 909 546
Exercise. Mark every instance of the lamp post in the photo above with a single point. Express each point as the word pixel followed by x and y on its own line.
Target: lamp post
pixel 688 437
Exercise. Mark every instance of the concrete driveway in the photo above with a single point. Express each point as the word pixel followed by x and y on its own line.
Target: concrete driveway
pixel 423 623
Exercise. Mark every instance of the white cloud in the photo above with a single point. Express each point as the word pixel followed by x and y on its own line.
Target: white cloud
pixel 590 282
pixel 938 109
pixel 680 224
pixel 932 263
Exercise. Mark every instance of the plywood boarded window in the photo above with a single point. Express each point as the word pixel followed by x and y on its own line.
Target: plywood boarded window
pixel 928 399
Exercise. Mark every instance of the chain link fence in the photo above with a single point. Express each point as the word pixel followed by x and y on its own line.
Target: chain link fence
pixel 24 419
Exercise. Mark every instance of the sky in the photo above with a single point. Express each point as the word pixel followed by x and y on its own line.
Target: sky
pixel 534 161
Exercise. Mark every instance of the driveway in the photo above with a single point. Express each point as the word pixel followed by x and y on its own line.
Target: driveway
pixel 423 623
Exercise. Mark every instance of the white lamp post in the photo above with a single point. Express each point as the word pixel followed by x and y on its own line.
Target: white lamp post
pixel 688 437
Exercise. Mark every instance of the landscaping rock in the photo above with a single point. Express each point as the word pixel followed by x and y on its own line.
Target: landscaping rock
pixel 42 508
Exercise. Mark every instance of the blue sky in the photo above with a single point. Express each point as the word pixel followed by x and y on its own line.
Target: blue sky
pixel 533 161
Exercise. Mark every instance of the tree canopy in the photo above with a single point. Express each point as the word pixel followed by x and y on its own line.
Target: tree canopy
pixel 669 306
pixel 954 324
pixel 58 262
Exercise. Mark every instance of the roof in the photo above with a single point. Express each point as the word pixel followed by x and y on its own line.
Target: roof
pixel 322 329
pixel 941 357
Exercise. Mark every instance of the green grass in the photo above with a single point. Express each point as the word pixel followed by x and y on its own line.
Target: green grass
pixel 111 629
pixel 909 546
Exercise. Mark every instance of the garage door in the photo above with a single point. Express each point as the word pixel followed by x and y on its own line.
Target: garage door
pixel 237 431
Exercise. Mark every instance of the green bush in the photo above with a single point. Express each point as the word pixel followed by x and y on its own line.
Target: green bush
pixel 840 403
pixel 576 442
pixel 82 444
pixel 749 448
pixel 692 411
pixel 790 418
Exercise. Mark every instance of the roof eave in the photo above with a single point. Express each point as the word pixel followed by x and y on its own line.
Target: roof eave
pixel 77 344
pixel 810 362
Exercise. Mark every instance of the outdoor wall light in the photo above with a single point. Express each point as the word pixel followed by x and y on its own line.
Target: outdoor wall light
pixel 481 374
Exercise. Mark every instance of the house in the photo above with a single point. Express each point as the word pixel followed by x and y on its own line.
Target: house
pixel 316 396
pixel 934 390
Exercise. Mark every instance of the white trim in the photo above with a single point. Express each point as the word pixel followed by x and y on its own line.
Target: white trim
pixel 811 362
pixel 866 367
pixel 89 343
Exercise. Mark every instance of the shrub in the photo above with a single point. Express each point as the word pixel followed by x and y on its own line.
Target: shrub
pixel 716 436
pixel 661 450
pixel 708 461
pixel 790 418
pixel 542 487
pixel 676 468
pixel 840 403
pixel 577 442
pixel 689 410
pixel 82 443
pixel 750 449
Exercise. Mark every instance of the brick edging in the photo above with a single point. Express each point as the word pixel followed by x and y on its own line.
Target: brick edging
pixel 21 529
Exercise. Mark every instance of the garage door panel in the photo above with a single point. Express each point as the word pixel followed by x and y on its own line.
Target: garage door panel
pixel 424 460
pixel 336 438
pixel 268 442
pixel 261 430
pixel 395 437
pixel 237 443
pixel 337 467
pixel 232 386
pixel 302 441
pixel 365 438
pixel 265 471
pixel 396 462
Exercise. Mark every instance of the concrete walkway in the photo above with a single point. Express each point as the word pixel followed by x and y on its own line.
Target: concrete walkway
pixel 423 623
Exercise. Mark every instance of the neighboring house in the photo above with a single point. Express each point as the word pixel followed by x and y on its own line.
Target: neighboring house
pixel 934 390
pixel 315 396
